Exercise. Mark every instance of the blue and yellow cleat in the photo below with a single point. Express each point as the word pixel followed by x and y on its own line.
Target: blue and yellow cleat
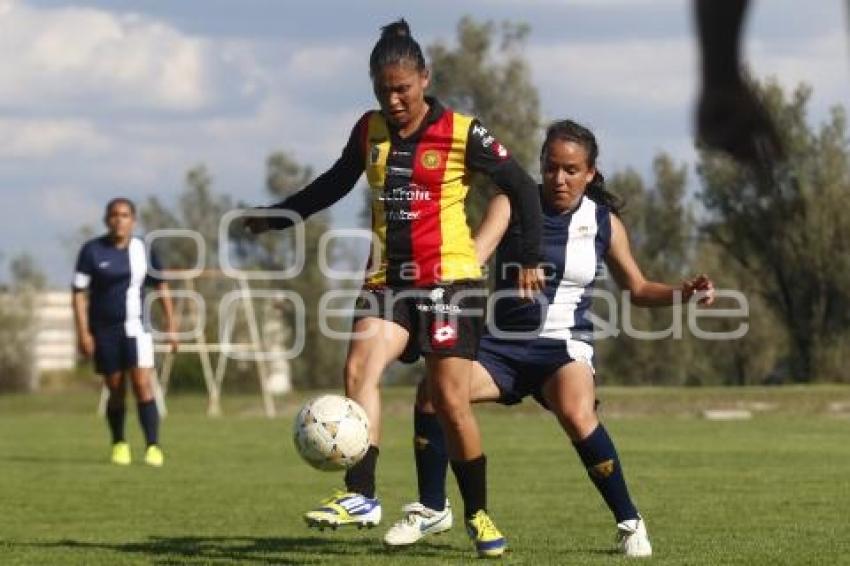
pixel 345 509
pixel 489 542
pixel 121 454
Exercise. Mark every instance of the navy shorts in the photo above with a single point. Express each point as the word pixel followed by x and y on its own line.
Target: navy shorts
pixel 521 367
pixel 115 350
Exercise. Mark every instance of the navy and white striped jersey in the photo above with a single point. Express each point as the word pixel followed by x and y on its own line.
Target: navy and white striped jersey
pixel 574 246
pixel 115 278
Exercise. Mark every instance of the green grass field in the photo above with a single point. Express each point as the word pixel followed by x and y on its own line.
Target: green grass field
pixel 771 490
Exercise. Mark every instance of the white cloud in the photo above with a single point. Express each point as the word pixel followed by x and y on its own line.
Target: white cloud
pixel 324 63
pixel 651 73
pixel 61 202
pixel 821 62
pixel 62 57
pixel 585 3
pixel 42 138
pixel 112 101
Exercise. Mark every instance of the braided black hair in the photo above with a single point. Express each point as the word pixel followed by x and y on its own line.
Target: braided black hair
pixel 568 130
pixel 395 45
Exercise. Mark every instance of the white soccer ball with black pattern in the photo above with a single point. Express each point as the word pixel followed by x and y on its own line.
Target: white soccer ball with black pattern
pixel 331 432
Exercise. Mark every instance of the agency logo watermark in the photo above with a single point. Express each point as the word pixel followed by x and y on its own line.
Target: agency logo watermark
pixel 588 314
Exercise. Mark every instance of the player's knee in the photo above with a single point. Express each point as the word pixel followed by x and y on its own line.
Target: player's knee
pixel 579 418
pixel 115 386
pixel 357 373
pixel 453 412
pixel 142 388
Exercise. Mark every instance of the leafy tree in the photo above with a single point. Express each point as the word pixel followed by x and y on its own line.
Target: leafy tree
pixel 786 229
pixel 198 209
pixel 320 363
pixel 486 75
pixel 754 357
pixel 660 227
pixel 18 324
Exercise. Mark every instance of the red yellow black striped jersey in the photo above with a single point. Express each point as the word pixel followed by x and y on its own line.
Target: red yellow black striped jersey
pixel 418 185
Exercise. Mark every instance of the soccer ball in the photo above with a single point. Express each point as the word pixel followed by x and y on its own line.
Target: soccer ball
pixel 331 432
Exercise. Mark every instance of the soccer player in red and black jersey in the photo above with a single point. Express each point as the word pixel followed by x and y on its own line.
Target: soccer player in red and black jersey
pixel 424 282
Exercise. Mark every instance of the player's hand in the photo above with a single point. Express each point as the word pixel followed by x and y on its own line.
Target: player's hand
pixel 530 282
pixel 702 287
pixel 86 345
pixel 256 224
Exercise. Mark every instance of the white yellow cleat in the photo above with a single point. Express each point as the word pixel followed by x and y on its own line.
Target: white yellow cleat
pixel 121 454
pixel 154 456
pixel 489 542
pixel 632 538
pixel 345 509
pixel 418 522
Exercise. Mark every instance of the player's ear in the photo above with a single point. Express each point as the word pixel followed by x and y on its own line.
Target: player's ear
pixel 425 77
pixel 591 173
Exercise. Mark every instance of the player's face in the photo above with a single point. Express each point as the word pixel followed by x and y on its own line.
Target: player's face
pixel 565 173
pixel 400 90
pixel 120 220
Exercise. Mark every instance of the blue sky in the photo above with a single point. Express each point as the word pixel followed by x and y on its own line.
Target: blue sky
pixel 117 97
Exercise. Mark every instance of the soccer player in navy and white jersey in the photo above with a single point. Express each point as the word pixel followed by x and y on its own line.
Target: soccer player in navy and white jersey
pixel 108 296
pixel 550 353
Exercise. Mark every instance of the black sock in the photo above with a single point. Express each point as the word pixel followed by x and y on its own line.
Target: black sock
pixel 472 480
pixel 432 461
pixel 599 456
pixel 149 419
pixel 115 419
pixel 360 478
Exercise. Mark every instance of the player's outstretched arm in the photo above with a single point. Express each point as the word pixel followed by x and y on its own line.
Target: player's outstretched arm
pixel 486 155
pixel 325 190
pixel 493 226
pixel 647 293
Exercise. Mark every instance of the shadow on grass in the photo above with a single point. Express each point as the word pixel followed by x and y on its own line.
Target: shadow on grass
pixel 258 550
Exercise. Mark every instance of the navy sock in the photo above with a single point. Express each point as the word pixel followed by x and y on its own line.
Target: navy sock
pixel 149 419
pixel 599 456
pixel 360 478
pixel 432 460
pixel 115 419
pixel 472 480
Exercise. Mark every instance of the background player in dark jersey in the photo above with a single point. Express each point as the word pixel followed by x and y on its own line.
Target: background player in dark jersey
pixel 550 355
pixel 424 282
pixel 108 291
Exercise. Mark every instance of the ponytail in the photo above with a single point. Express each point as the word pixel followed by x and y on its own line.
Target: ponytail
pixel 597 192
pixel 395 45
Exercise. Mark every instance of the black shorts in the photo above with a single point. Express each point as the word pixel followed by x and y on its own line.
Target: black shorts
pixel 443 320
